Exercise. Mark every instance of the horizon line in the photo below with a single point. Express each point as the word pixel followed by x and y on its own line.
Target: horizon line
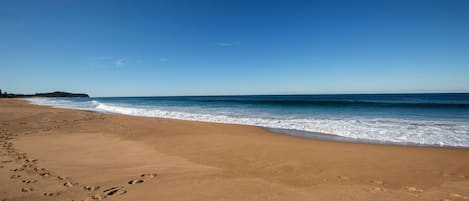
pixel 291 94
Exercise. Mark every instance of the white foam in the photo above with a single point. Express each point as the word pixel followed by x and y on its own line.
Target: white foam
pixel 434 132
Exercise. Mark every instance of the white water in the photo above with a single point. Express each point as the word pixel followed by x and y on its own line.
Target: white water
pixel 425 132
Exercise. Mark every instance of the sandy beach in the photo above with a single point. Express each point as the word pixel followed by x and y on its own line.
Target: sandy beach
pixel 60 154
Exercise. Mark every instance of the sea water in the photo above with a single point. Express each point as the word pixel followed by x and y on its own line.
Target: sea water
pixel 422 119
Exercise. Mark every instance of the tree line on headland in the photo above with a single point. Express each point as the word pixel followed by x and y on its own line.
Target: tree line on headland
pixel 52 94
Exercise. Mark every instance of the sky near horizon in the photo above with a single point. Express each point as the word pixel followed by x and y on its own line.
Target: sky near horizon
pixel 158 48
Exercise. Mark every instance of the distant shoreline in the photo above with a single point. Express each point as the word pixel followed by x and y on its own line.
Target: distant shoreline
pixel 56 94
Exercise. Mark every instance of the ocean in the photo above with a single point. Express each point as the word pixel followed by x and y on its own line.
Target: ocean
pixel 435 119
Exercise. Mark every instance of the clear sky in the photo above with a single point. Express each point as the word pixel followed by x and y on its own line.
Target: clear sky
pixel 144 48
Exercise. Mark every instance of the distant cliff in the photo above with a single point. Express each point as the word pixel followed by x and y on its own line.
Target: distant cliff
pixel 53 94
pixel 61 94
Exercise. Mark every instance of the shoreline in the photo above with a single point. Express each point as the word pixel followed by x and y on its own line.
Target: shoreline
pixel 337 138
pixel 62 154
pixel 290 132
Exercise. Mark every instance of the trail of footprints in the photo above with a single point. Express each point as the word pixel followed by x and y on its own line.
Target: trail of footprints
pixel 120 190
pixel 29 167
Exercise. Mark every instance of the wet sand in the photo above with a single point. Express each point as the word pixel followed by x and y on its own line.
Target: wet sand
pixel 59 154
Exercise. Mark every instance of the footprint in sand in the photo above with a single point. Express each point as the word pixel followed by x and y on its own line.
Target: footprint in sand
pixel 144 176
pixel 44 174
pixel 27 181
pixel 48 194
pixel 29 160
pixel 15 176
pixel 97 197
pixel 68 184
pixel 62 178
pixel 25 190
pixel 16 169
pixel 149 175
pixel 118 190
pixel 91 188
pixel 414 189
pixel 136 181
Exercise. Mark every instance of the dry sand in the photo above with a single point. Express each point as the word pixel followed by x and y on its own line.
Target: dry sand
pixel 59 154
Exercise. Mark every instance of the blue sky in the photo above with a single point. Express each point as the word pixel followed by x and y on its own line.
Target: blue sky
pixel 144 48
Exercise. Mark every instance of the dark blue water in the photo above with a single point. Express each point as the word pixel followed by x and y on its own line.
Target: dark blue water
pixel 429 119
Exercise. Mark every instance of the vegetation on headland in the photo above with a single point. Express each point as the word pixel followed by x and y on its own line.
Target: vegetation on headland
pixel 52 94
